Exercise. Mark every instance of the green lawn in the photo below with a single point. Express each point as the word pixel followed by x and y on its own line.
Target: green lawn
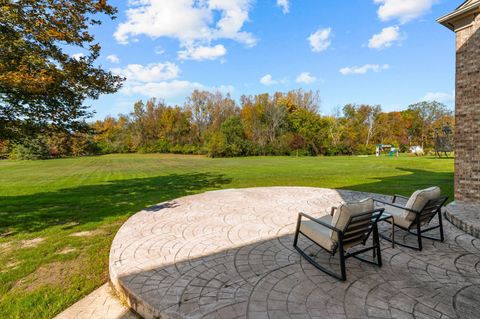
pixel 44 269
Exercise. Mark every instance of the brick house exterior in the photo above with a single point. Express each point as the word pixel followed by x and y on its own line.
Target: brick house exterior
pixel 465 21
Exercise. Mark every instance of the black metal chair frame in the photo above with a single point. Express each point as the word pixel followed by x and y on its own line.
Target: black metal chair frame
pixel 423 217
pixel 355 230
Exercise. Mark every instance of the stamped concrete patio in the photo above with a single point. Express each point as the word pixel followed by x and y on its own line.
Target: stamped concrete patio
pixel 228 254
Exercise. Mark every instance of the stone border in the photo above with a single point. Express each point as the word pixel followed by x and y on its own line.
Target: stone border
pixel 101 303
pixel 465 216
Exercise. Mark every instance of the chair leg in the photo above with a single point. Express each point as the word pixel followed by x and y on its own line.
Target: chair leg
pixel 341 276
pixel 342 264
pixel 376 241
pixel 297 230
pixel 417 233
pixel 393 232
pixel 441 226
pixel 419 236
pixel 379 256
pixel 393 241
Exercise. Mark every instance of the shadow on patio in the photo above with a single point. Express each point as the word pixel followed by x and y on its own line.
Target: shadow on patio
pixel 223 264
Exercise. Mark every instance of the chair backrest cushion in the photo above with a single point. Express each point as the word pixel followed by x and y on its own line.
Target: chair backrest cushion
pixel 346 210
pixel 419 199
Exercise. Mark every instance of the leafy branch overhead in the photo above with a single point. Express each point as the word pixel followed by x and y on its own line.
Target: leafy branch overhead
pixel 41 86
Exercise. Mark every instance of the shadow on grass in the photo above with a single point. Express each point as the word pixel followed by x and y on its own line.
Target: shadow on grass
pixel 406 184
pixel 94 203
pixel 72 207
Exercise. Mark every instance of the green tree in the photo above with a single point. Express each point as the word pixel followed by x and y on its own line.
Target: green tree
pixel 230 141
pixel 313 128
pixel 41 86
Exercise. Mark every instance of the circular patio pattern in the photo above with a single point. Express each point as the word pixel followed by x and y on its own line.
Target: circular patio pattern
pixel 228 254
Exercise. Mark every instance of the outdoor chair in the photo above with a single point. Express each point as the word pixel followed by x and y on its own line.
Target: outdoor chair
pixel 347 226
pixel 418 212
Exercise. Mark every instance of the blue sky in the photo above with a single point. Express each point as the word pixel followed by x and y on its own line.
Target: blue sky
pixel 387 52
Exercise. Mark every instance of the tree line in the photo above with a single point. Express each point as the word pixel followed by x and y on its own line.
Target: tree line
pixel 213 123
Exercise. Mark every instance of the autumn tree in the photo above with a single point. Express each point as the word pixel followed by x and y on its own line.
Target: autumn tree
pixel 360 124
pixel 41 86
pixel 253 114
pixel 275 119
pixel 428 116
pixel 113 136
pixel 300 99
pixel 210 110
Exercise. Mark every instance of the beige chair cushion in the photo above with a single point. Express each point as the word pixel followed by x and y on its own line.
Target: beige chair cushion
pixel 345 211
pixel 318 233
pixel 418 200
pixel 398 215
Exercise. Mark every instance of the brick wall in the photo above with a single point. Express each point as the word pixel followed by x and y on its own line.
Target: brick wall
pixel 467 143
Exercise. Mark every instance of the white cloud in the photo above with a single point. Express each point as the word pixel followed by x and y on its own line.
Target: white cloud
pixel 164 89
pixel 268 80
pixel 224 89
pixel 78 56
pixel 285 5
pixel 113 58
pixel 385 39
pixel 160 80
pixel 320 40
pixel 192 22
pixel 200 53
pixel 306 78
pixel 364 69
pixel 443 97
pixel 171 90
pixel 149 73
pixel 159 50
pixel 403 10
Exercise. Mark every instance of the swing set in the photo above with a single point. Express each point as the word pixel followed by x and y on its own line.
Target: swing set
pixel 387 148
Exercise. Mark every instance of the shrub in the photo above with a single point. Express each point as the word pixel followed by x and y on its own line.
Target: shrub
pixel 339 149
pixel 147 148
pixel 365 150
pixel 217 146
pixel 162 146
pixel 30 149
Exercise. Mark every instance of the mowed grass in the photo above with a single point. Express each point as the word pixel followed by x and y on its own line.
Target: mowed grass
pixel 58 217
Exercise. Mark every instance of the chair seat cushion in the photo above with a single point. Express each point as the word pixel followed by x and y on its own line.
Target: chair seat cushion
pixel 318 233
pixel 398 215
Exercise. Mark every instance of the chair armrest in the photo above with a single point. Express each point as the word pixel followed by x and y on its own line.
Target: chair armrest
pixel 300 215
pixel 397 206
pixel 398 196
pixel 378 210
